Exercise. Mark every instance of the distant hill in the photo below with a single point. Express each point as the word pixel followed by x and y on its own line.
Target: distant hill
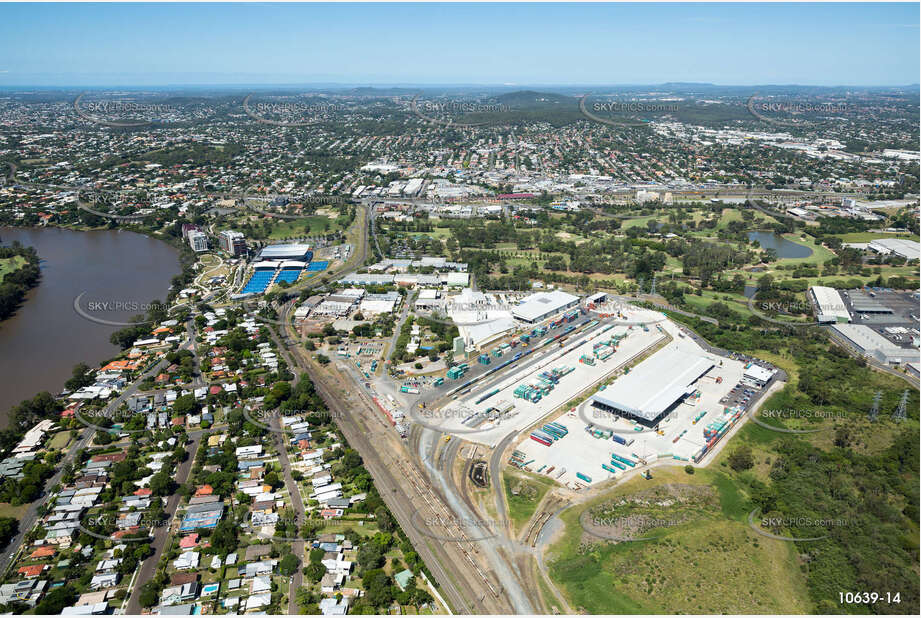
pixel 523 98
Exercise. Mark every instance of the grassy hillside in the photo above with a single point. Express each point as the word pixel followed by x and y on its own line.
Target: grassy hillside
pixel 850 481
pixel 699 557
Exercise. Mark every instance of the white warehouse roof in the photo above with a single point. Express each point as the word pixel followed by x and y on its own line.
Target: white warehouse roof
pixel 477 334
pixel 907 249
pixel 873 344
pixel 759 373
pixel 541 304
pixel 830 307
pixel 656 383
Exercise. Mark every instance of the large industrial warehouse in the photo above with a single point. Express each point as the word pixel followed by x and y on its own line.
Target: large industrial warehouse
pixel 829 305
pixel 871 343
pixel 656 386
pixel 540 306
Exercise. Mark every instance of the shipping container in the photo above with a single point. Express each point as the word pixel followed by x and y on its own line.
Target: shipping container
pixel 540 440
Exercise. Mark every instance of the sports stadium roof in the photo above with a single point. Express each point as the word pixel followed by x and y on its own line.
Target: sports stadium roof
pixel 280 252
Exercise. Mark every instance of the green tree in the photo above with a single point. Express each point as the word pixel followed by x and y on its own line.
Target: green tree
pixel 741 458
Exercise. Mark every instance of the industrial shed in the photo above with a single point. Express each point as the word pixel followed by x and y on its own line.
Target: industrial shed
pixel 655 386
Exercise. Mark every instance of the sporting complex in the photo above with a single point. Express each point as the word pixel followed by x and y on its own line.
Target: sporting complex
pixel 281 263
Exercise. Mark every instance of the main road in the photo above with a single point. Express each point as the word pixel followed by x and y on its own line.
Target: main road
pixel 162 534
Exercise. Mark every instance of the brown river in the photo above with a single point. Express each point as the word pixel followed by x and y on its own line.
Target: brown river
pixel 118 273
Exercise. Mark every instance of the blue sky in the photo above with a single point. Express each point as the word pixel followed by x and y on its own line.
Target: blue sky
pixel 732 44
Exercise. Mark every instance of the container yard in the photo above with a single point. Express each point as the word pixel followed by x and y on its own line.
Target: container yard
pixel 542 379
pixel 607 448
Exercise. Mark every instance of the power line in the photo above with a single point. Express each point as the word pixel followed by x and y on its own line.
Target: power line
pixel 874 411
pixel 900 412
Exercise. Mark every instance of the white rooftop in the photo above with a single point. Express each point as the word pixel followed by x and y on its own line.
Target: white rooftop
pixel 542 303
pixel 831 307
pixel 655 384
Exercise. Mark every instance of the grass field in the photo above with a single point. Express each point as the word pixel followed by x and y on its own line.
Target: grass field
pixel 638 221
pixel 8 265
pixel 703 558
pixel 60 440
pixel 16 512
pixel 868 236
pixel 531 490
pixel 737 302
pixel 308 226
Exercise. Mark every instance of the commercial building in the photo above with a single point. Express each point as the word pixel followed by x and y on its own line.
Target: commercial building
pixel 298 252
pixel 759 375
pixel 597 298
pixel 908 249
pixel 655 386
pixel 198 241
pixel 477 335
pixel 376 304
pixel 232 242
pixel 872 344
pixel 540 306
pixel 366 279
pixel 829 306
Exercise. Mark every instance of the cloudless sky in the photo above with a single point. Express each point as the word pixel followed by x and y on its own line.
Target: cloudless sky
pixel 732 44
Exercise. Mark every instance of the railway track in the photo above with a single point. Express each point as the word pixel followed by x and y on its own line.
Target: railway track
pixel 401 490
pixel 537 524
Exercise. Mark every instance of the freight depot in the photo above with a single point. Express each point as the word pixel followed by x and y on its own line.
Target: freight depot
pixel 549 378
pixel 598 445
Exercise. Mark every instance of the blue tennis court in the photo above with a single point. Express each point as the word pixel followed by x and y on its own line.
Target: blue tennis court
pixel 289 275
pixel 258 282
